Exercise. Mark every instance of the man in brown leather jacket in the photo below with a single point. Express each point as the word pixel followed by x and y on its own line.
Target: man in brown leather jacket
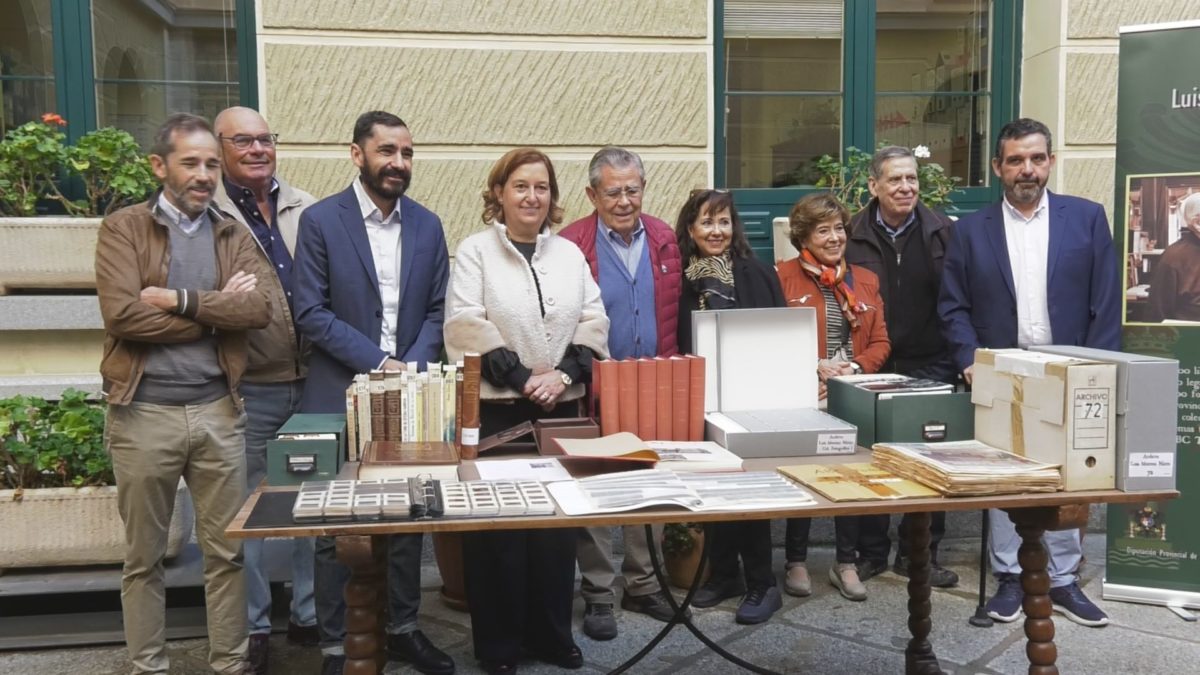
pixel 178 290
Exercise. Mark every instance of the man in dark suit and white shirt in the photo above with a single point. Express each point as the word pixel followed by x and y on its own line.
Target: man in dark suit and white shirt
pixel 370 274
pixel 1036 268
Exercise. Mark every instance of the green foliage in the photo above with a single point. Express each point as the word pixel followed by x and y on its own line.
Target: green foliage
pixel 847 179
pixel 680 538
pixel 44 444
pixel 35 162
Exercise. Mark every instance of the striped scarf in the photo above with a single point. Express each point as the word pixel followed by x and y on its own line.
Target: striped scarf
pixel 834 279
pixel 712 279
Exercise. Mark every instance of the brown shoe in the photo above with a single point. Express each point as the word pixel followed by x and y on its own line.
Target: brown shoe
pixel 260 645
pixel 797 581
pixel 304 636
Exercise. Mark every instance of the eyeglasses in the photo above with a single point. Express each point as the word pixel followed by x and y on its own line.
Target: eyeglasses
pixel 244 141
pixel 631 193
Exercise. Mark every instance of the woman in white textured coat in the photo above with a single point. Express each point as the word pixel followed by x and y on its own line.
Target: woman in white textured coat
pixel 524 299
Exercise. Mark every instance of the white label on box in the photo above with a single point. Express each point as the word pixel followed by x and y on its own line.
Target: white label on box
pixel 470 436
pixel 1090 414
pixel 836 444
pixel 1151 465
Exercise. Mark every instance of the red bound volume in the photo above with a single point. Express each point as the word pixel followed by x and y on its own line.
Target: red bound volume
pixel 696 398
pixel 610 396
pixel 680 386
pixel 662 401
pixel 647 411
pixel 627 388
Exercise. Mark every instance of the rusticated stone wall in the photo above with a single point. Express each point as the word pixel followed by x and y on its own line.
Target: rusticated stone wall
pixel 474 78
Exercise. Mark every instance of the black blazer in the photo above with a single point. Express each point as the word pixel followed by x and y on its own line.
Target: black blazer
pixel 755 285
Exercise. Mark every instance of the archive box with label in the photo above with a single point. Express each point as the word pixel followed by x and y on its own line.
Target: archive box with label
pixel 901 409
pixel 1051 408
pixel 1146 403
pixel 309 446
pixel 760 383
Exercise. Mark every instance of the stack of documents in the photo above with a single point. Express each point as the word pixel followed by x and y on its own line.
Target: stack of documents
pixel 967 468
pixel 856 482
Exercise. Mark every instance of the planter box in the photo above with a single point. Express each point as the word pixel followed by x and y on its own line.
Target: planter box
pixel 52 527
pixel 49 252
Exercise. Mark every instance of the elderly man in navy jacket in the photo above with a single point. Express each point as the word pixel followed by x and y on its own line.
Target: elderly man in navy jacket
pixel 1037 268
pixel 635 261
pixel 370 272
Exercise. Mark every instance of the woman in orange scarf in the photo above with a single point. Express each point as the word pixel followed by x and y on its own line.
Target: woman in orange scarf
pixel 851 338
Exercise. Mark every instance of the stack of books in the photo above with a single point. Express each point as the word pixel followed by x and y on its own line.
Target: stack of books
pixel 967 468
pixel 658 399
pixel 440 404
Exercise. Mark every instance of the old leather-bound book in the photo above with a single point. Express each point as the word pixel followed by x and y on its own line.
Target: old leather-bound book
pixel 392 459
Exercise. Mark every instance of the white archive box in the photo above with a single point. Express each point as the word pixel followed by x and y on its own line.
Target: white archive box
pixel 760 380
pixel 1050 408
pixel 1146 408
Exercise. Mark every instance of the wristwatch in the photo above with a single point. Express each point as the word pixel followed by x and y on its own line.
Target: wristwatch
pixel 856 368
pixel 566 379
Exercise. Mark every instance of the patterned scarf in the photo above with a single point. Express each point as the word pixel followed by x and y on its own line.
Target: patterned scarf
pixel 712 279
pixel 834 279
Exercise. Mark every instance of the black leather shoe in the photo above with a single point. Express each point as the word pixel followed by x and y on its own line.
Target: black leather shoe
pixel 715 590
pixel 653 605
pixel 303 636
pixel 868 568
pixel 498 667
pixel 599 622
pixel 416 649
pixel 939 577
pixel 332 664
pixel 571 659
pixel 258 652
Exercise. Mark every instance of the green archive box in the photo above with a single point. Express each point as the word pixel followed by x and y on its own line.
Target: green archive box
pixel 901 409
pixel 307 447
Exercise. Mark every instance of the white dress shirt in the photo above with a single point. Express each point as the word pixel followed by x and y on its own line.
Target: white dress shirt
pixel 383 232
pixel 1028 242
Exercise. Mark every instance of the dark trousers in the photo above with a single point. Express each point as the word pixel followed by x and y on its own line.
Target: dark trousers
pixel 845 530
pixel 874 543
pixel 520 583
pixel 750 539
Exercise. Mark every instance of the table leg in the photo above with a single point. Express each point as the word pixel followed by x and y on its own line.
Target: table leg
pixel 365 594
pixel 919 658
pixel 681 617
pixel 1035 580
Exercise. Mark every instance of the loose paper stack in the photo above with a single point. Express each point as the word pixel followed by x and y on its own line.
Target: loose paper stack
pixel 630 490
pixel 967 468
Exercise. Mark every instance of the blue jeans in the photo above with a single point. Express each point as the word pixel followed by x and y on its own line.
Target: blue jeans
pixel 403 588
pixel 1063 546
pixel 268 406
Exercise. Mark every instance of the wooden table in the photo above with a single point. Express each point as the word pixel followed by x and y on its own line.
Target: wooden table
pixel 362 547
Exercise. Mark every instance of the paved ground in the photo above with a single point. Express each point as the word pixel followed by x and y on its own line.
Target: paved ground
pixel 820 634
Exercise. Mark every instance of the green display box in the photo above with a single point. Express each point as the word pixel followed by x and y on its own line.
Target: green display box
pixel 307 447
pixel 900 409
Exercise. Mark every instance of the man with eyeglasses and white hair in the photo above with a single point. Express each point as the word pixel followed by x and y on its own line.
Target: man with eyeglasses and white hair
pixel 1175 285
pixel 635 261
pixel 250 193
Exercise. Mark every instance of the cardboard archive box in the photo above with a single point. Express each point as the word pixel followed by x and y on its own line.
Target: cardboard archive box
pixel 309 446
pixel 760 396
pixel 1146 403
pixel 901 409
pixel 1050 408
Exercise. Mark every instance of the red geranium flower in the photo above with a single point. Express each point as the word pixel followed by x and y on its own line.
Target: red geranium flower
pixel 54 118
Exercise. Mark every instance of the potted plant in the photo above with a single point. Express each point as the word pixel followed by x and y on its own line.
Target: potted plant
pixel 847 178
pixel 682 547
pixel 105 167
pixel 57 498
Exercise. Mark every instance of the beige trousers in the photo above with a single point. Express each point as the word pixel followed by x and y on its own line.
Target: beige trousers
pixel 593 550
pixel 151 447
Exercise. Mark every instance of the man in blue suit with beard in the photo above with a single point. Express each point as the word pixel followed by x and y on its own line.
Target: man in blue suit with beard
pixel 370 274
pixel 1036 268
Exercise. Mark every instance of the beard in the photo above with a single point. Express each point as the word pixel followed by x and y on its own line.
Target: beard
pixel 1026 193
pixel 377 183
pixel 190 204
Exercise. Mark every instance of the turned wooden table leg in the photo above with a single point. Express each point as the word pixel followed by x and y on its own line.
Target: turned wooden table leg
pixel 1035 580
pixel 365 594
pixel 919 658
